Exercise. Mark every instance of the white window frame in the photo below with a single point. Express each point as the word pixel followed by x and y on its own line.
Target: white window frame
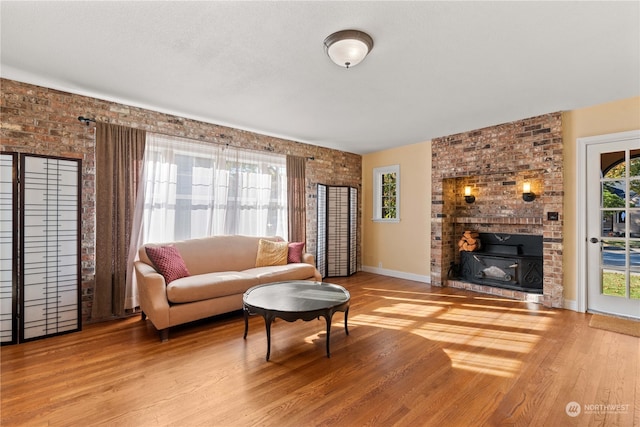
pixel 377 192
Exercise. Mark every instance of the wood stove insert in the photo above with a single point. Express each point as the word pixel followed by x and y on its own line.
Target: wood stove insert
pixel 511 261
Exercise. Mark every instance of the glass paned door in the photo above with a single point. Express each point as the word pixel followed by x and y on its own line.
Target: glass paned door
pixel 613 217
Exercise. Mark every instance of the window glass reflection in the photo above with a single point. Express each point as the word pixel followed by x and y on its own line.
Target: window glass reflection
pixel 634 163
pixel 613 164
pixel 633 219
pixel 613 194
pixel 634 193
pixel 634 255
pixel 613 223
pixel 614 283
pixel 613 254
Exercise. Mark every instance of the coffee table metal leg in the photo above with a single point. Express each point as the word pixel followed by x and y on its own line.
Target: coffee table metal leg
pixel 267 321
pixel 346 314
pixel 328 319
pixel 246 322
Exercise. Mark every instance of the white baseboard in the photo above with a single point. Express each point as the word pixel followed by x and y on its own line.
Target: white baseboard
pixel 398 274
pixel 571 304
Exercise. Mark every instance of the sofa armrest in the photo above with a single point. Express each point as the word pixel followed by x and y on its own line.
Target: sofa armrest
pixel 310 259
pixel 153 295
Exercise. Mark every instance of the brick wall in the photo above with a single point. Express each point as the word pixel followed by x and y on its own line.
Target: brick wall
pixel 495 162
pixel 44 121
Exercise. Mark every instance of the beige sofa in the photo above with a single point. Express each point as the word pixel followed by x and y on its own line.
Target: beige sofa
pixel 221 269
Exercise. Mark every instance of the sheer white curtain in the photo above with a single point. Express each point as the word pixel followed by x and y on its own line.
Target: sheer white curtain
pixel 195 189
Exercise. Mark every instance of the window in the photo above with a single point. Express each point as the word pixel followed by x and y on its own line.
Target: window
pixel 195 190
pixel 386 194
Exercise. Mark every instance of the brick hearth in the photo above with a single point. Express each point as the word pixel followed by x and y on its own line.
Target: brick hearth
pixel 495 162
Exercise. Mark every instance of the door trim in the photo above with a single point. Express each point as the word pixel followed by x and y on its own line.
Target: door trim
pixel 581 207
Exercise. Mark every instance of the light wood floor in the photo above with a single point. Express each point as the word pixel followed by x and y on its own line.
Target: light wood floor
pixel 416 356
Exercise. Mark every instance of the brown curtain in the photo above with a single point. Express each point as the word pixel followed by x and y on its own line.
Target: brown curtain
pixel 119 154
pixel 296 199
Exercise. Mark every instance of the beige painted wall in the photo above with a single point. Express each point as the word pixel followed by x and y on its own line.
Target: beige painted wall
pixel 612 117
pixel 403 247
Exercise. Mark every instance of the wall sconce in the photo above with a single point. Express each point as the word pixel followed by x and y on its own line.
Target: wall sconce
pixel 527 195
pixel 468 197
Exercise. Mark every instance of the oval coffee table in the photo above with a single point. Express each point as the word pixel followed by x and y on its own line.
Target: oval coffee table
pixel 293 300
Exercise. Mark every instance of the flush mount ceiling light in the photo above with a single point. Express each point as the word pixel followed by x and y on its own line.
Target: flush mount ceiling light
pixel 348 48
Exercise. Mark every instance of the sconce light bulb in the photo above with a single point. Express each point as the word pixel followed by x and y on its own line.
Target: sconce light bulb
pixel 527 195
pixel 468 197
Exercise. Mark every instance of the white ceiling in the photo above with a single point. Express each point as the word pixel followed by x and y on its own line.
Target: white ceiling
pixel 437 68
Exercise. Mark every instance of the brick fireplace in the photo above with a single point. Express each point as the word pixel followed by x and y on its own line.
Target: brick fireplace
pixel 495 162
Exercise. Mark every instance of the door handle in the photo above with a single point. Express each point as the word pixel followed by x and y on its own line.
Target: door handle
pixel 594 240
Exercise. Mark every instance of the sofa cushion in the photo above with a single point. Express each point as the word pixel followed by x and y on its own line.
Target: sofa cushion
pixel 278 273
pixel 271 253
pixel 209 285
pixel 168 262
pixel 295 252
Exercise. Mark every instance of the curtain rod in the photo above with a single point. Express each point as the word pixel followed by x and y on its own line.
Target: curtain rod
pixel 86 120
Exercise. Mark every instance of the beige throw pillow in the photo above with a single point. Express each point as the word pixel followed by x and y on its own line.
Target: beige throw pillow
pixel 271 253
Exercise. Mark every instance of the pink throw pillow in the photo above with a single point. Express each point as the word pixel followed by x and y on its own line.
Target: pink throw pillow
pixel 168 262
pixel 295 252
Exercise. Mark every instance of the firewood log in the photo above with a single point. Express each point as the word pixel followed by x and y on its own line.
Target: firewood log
pixel 469 241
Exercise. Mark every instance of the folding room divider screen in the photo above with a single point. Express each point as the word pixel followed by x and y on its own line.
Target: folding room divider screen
pixel 337 230
pixel 40 276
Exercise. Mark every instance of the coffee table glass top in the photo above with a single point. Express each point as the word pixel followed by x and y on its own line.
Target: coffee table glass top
pixel 294 296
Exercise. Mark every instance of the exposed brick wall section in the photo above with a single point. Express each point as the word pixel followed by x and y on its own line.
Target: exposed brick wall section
pixel 40 120
pixel 495 162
